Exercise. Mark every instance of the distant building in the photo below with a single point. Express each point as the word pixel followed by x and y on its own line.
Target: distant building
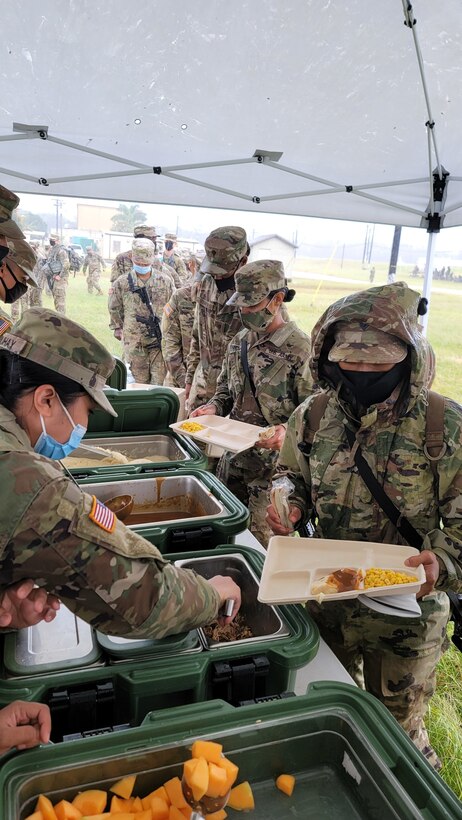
pixel 95 217
pixel 274 246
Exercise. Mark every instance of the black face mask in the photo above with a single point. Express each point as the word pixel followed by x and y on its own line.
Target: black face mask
pixel 225 284
pixel 52 242
pixel 371 387
pixel 3 253
pixel 14 293
pixel 168 245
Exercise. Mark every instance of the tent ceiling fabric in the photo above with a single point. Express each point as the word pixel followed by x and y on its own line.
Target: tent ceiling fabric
pixel 333 86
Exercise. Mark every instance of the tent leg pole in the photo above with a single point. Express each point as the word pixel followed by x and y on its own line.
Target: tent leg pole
pixel 428 275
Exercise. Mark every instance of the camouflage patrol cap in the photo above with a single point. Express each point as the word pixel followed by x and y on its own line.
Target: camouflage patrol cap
pixel 56 342
pixel 145 230
pixel 170 236
pixel 21 253
pixel 359 342
pixel 55 237
pixel 8 202
pixel 254 282
pixel 224 248
pixel 143 251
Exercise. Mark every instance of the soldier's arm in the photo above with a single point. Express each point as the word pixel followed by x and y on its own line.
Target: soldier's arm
pixel 172 349
pixel 193 356
pixel 303 381
pixel 181 268
pixel 293 464
pixel 115 270
pixel 222 398
pixel 85 265
pixel 116 581
pixel 64 259
pixel 116 307
pixel 446 542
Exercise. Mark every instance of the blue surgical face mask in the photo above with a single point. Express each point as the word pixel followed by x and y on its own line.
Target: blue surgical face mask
pixel 142 268
pixel 47 446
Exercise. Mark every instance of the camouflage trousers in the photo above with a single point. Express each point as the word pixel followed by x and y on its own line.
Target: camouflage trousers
pixel 93 281
pixel 147 364
pixel 393 658
pixel 249 477
pixel 33 298
pixel 59 296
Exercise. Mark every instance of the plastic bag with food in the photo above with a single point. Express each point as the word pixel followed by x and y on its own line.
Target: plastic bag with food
pixel 281 489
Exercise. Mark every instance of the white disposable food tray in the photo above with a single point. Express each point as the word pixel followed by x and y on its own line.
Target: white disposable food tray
pixel 293 564
pixel 231 435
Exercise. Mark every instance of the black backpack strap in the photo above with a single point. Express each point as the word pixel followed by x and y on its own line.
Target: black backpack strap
pixel 313 416
pixel 435 445
pixel 247 374
pixel 392 512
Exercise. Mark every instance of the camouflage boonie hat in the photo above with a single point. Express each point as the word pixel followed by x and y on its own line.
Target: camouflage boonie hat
pixel 224 248
pixel 143 251
pixel 170 236
pixel 359 342
pixel 256 280
pixel 21 253
pixel 8 202
pixel 54 341
pixel 145 230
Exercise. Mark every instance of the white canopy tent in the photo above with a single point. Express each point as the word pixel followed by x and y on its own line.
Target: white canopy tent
pixel 345 109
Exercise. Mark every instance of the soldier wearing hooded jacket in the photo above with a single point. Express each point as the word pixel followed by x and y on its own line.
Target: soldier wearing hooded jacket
pixel 371 360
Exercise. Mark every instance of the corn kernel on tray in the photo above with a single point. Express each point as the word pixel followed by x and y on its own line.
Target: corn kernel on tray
pixel 306 569
pixel 231 435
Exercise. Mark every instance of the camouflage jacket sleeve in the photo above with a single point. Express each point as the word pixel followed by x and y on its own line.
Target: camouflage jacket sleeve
pixel 64 259
pixel 116 306
pixel 85 265
pixel 172 348
pixel 223 399
pixel 193 358
pixel 293 464
pixel 181 269
pixel 118 582
pixel 116 269
pixel 446 542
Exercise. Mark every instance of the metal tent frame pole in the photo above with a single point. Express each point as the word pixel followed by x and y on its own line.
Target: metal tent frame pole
pixel 428 276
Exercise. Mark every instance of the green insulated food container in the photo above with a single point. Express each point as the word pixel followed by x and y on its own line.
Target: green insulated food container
pixel 175 511
pixel 350 759
pixel 140 433
pixel 132 677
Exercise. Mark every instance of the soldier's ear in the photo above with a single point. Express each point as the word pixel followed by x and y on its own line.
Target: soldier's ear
pixel 45 399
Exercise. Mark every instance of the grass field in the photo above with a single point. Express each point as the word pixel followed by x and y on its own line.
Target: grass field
pixel 444 332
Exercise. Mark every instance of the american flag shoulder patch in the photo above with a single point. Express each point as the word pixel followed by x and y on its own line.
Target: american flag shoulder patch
pixel 5 324
pixel 102 516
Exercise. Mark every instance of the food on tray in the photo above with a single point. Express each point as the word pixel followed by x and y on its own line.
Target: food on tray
pixel 268 432
pixel 207 773
pixel 112 457
pixel 376 577
pixel 237 630
pixel 192 427
pixel 241 797
pixel 342 580
pixel 286 783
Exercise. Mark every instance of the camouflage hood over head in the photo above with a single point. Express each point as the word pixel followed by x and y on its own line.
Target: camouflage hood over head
pixel 392 309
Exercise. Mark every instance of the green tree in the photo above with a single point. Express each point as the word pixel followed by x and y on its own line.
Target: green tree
pixel 127 217
pixel 31 222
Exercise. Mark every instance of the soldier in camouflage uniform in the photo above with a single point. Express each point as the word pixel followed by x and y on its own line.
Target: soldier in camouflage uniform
pixel 177 325
pixel 174 261
pixel 136 302
pixel 17 259
pixel 52 373
pixel 215 321
pixel 123 263
pixel 95 265
pixel 56 269
pixel 33 297
pixel 371 359
pixel 277 353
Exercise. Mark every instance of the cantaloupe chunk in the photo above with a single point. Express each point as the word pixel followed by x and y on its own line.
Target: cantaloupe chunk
pixel 175 814
pixel 160 792
pixel 36 815
pixel 137 805
pixel 207 748
pixel 285 783
pixel 92 801
pixel 217 781
pixel 123 788
pixel 159 809
pixel 121 806
pixel 66 811
pixel 175 793
pixel 199 779
pixel 187 812
pixel 125 815
pixel 231 770
pixel 217 815
pixel 46 807
pixel 145 814
pixel 241 797
pixel 188 769
pixel 106 815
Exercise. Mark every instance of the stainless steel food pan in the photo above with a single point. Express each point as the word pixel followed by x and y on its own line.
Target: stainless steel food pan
pixel 155 447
